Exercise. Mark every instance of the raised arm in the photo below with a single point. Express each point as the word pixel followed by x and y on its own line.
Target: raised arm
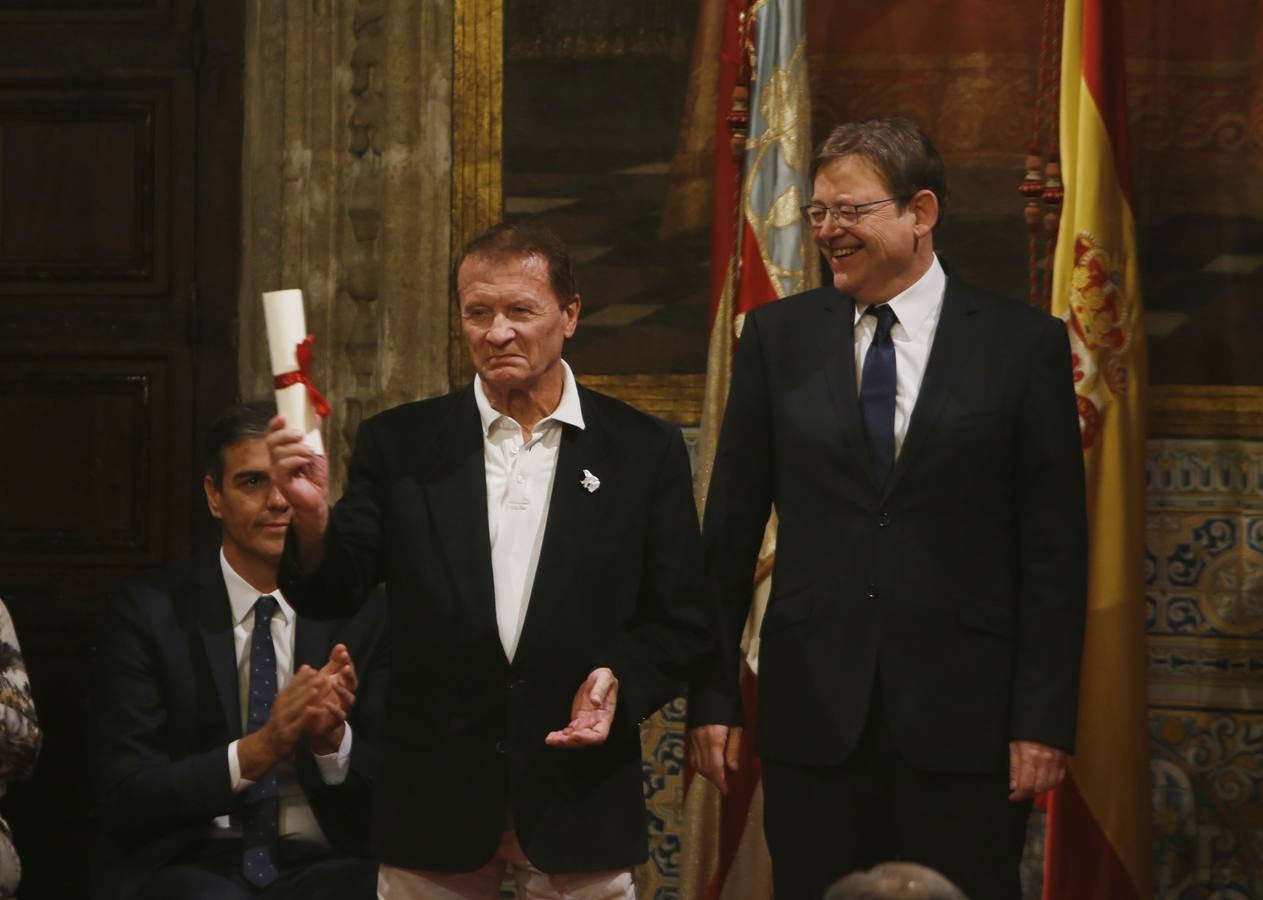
pixel 331 560
pixel 302 476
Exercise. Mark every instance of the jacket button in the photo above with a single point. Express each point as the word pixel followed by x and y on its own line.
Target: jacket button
pixel 872 593
pixel 883 520
pixel 515 683
pixel 501 748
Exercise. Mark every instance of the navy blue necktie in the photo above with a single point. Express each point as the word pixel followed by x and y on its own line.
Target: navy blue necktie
pixel 877 393
pixel 260 820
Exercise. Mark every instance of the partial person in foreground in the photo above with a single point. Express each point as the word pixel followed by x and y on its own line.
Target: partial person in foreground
pixel 919 440
pixel 20 741
pixel 895 881
pixel 540 550
pixel 234 738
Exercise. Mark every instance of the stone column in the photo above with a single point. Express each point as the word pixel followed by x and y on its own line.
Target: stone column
pixel 348 185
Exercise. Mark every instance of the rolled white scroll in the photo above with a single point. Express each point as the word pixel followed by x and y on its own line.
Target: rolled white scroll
pixel 287 328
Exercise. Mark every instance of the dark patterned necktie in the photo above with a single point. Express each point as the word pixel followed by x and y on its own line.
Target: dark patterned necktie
pixel 877 392
pixel 261 817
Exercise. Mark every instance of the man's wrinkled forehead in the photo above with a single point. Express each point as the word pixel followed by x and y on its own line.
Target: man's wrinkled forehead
pixel 856 167
pixel 530 265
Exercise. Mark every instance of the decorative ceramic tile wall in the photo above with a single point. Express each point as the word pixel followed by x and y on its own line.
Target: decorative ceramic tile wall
pixel 1204 597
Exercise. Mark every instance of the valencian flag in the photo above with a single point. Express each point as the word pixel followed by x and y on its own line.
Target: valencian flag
pixel 1098 826
pixel 759 253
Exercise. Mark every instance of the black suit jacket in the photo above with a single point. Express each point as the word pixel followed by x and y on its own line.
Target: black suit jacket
pixel 617 585
pixel 166 707
pixel 957 587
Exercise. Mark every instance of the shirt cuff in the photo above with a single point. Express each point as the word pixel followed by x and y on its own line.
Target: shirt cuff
pixel 334 766
pixel 239 784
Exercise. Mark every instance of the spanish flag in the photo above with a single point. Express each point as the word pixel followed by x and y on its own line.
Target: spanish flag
pixel 1098 829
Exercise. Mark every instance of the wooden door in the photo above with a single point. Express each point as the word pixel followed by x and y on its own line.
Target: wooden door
pixel 120 126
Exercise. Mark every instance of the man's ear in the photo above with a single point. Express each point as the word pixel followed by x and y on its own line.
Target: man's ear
pixel 212 497
pixel 924 204
pixel 571 312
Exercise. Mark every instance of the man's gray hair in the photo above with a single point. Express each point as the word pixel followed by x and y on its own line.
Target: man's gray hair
pixel 895 881
pixel 897 149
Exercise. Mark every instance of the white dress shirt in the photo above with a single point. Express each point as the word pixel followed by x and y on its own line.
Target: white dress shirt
pixel 519 487
pixel 297 819
pixel 917 310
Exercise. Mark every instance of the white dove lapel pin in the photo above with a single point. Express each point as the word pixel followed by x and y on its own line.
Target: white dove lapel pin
pixel 590 482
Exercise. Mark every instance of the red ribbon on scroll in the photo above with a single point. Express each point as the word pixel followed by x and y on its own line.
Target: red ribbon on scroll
pixel 303 376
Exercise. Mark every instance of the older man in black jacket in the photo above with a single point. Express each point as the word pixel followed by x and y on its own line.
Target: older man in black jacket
pixel 539 546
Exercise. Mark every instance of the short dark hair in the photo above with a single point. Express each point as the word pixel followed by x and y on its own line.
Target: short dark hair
pixel 903 155
pixel 513 240
pixel 238 423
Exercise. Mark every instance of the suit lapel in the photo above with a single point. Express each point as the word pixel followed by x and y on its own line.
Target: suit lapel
pixel 573 512
pixel 214 620
pixel 838 333
pixel 950 341
pixel 457 489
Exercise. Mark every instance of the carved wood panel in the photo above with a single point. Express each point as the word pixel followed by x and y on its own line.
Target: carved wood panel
pixel 85 452
pixel 83 188
pixel 120 144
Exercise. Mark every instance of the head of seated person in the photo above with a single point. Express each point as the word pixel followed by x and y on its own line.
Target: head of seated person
pixel 895 881
pixel 253 515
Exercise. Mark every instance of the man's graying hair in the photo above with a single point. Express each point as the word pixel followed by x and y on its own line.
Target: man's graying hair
pixel 903 155
pixel 238 423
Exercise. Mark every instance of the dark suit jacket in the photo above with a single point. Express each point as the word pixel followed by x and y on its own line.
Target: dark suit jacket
pixel 617 585
pixel 961 580
pixel 166 707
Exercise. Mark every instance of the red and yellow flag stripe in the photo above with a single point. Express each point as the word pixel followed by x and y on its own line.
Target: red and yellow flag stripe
pixel 1098 841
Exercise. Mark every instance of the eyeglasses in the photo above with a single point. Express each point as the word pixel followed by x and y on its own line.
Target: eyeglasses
pixel 814 214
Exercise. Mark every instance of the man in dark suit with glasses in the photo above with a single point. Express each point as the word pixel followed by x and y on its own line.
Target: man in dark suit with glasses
pixel 919 441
